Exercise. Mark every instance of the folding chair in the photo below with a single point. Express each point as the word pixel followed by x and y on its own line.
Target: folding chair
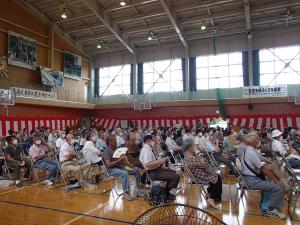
pixel 243 187
pixel 294 182
pixel 203 191
pixel 111 180
pixel 6 168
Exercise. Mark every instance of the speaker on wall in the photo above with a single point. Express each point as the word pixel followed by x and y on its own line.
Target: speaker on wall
pixel 250 106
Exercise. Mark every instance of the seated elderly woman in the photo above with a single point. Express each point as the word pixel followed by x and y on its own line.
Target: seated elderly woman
pixel 203 173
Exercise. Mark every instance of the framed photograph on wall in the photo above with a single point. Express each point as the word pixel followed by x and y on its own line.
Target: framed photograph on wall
pixel 52 77
pixel 72 66
pixel 22 51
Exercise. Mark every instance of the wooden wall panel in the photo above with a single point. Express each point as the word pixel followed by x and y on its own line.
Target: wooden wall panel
pixel 14 18
pixel 232 109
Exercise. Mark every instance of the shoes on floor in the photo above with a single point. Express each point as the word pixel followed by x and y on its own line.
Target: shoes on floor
pixel 48 182
pixel 211 203
pixel 275 214
pixel 171 197
pixel 18 184
pixel 127 197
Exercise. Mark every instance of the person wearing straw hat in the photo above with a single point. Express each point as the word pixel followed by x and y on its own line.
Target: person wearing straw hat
pixel 278 147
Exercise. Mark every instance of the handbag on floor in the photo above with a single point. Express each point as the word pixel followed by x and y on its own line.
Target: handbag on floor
pixel 157 195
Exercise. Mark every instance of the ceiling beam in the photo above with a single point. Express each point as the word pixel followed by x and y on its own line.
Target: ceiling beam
pixel 173 18
pixel 37 12
pixel 93 5
pixel 247 15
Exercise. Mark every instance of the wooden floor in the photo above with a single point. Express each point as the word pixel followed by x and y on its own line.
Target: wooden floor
pixel 39 205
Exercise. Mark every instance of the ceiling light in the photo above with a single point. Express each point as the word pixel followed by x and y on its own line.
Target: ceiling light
pixel 203 27
pixel 122 3
pixel 99 45
pixel 149 38
pixel 64 14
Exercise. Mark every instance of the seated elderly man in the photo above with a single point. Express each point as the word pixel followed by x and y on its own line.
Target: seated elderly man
pixel 38 153
pixel 69 162
pixel 15 159
pixel 154 167
pixel 203 173
pixel 61 140
pixel 254 173
pixel 120 167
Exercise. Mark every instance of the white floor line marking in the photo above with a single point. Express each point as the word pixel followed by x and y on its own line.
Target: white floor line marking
pixel 86 213
pixel 16 189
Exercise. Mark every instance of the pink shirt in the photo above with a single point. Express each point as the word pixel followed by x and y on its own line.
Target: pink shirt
pixel 36 150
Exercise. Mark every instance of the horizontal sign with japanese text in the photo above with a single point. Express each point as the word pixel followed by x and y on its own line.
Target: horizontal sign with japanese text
pixel 30 93
pixel 265 91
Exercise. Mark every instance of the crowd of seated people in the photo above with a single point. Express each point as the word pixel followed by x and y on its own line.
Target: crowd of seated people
pixel 153 150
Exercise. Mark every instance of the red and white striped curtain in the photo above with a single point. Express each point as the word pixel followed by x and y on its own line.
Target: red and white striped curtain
pixel 30 123
pixel 255 121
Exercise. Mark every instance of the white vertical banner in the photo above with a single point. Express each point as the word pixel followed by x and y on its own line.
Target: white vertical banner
pixel 187 122
pixel 235 121
pixel 36 124
pixel 73 122
pixel 289 121
pixel 274 123
pixel 243 122
pixel 47 123
pixel 29 125
pixel 174 123
pixel 162 122
pixel 68 123
pixel 117 123
pixel 16 128
pixel 207 120
pixel 281 124
pixel 7 124
pixel 268 122
pixel 42 123
pixel 139 124
pixel 180 122
pixel 156 123
pixel 22 124
pixel 53 124
pixel 259 123
pixel 194 123
pixel 168 123
pixel 111 124
pixel 144 123
pixel 63 124
pixel 58 125
pixel 298 122
pixel 106 123
pixel 101 122
pixel 251 122
pixel 150 123
pixel 1 134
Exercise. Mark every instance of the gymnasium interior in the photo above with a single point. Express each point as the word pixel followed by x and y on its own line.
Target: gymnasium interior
pixel 150 112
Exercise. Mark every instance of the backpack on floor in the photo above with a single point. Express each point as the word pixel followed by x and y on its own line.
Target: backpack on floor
pixel 157 195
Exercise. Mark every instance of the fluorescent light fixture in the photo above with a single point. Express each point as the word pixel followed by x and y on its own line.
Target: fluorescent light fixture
pixel 122 3
pixel 64 15
pixel 203 27
pixel 99 45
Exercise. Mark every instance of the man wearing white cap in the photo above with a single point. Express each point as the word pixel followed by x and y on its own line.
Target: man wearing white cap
pixel 277 146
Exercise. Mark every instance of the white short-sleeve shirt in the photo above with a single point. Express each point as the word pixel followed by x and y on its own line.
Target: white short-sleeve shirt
pixel 146 155
pixel 65 150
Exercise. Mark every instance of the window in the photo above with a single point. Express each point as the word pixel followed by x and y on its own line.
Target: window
pixel 220 71
pixel 163 76
pixel 280 65
pixel 114 80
